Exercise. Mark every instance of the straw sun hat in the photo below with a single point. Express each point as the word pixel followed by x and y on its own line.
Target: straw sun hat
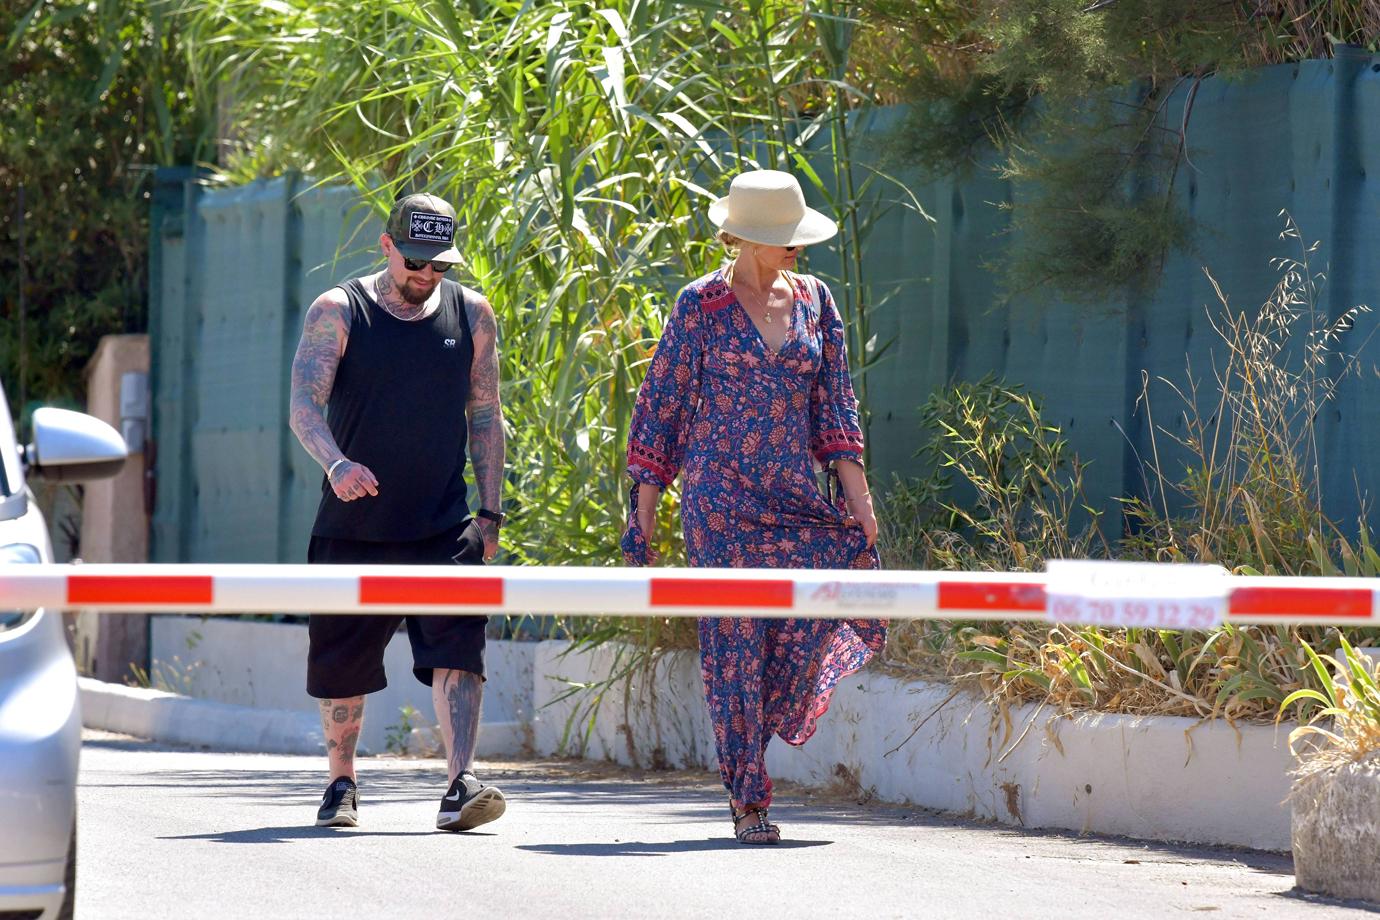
pixel 766 206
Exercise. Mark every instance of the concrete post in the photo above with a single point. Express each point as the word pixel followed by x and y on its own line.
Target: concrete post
pixel 1336 832
pixel 115 521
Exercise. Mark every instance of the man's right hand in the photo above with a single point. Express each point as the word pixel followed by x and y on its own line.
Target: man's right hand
pixel 353 480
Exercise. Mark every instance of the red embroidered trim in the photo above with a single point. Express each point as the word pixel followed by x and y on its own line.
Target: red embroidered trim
pixel 715 296
pixel 838 439
pixel 654 460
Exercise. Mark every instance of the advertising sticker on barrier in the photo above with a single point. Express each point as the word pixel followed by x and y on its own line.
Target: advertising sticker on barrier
pixel 1136 594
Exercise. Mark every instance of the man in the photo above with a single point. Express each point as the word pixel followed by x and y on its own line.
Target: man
pixel 394 380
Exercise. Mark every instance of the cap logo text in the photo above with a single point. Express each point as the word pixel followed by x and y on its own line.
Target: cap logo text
pixel 436 228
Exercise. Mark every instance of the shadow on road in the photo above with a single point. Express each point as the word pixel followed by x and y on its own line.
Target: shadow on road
pixel 639 848
pixel 290 833
pixel 1306 897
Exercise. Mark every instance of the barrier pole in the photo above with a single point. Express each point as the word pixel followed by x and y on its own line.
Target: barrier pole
pixel 806 593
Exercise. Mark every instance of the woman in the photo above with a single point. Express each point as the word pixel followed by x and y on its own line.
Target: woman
pixel 747 389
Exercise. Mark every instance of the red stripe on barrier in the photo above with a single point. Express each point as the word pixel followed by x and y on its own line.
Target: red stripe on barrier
pixel 721 592
pixel 978 595
pixel 379 590
pixel 94 590
pixel 1352 603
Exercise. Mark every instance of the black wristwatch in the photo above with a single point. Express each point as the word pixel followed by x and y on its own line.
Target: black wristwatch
pixel 498 517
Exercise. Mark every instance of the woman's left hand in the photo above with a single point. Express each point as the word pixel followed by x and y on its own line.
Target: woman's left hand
pixel 860 512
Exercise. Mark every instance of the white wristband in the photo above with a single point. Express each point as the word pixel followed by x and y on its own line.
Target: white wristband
pixel 330 470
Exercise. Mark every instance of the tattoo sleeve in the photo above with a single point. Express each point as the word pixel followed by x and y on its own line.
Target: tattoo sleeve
pixel 464 694
pixel 324 332
pixel 484 411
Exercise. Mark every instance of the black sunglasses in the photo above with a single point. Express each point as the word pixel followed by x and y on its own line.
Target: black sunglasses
pixel 416 265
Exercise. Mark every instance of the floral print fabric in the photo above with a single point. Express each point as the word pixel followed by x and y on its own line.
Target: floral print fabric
pixel 741 425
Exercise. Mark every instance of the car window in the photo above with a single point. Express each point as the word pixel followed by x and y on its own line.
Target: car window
pixel 11 477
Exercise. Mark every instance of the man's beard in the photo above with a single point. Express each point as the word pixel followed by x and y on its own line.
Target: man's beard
pixel 413 294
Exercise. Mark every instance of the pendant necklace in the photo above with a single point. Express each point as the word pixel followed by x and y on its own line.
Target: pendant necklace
pixel 766 302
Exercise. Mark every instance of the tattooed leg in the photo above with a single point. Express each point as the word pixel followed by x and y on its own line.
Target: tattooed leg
pixel 341 721
pixel 457 696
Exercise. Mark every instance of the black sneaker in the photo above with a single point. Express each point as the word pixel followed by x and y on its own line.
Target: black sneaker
pixel 468 803
pixel 339 805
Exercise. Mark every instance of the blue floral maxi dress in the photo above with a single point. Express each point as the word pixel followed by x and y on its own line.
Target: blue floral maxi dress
pixel 740 424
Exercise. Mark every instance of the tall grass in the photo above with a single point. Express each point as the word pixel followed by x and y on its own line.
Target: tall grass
pixel 1250 499
pixel 1253 498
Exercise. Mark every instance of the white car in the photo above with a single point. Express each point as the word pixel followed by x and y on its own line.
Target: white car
pixel 40 716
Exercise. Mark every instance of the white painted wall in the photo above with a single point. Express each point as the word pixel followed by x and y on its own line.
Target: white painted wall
pixel 264 665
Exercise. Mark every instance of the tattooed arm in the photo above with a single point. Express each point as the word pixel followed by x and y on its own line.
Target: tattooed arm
pixel 485 414
pixel 324 334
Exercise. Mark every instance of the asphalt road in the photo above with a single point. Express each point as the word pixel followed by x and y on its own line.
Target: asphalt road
pixel 170 833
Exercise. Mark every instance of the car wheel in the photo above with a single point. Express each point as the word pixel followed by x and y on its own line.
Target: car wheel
pixel 69 901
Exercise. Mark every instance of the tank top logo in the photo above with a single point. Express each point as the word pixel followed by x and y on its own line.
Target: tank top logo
pixel 448 343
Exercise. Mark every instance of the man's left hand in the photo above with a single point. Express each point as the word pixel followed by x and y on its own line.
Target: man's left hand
pixel 490 531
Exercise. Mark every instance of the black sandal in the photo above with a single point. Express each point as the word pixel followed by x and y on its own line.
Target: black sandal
pixel 763 833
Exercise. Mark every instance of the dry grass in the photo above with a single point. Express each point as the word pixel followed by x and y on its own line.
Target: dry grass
pixel 1251 502
pixel 1280 31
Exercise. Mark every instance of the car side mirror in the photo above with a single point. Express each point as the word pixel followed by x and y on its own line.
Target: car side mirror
pixel 73 447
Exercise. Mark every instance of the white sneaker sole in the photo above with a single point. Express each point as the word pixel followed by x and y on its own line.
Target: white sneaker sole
pixel 338 821
pixel 487 806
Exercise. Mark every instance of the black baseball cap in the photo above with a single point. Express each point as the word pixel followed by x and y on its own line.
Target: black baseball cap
pixel 423 227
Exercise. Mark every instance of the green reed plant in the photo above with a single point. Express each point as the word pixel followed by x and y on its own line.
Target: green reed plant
pixel 1004 494
pixel 581 143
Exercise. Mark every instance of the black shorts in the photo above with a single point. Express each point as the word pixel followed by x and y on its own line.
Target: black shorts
pixel 345 654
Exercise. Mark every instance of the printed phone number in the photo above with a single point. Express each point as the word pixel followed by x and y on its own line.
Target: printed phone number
pixel 1150 614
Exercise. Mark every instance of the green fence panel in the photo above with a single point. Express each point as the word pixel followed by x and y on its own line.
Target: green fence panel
pixel 173 320
pixel 237 438
pixel 336 240
pixel 1351 435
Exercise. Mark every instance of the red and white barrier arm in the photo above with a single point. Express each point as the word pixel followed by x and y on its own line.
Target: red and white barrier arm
pixel 814 593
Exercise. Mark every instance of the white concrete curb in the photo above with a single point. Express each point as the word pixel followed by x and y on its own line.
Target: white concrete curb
pixel 261 666
pixel 182 720
pixel 176 719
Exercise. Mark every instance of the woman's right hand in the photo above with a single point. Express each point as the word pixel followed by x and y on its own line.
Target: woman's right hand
pixel 861 513
pixel 646 522
pixel 645 518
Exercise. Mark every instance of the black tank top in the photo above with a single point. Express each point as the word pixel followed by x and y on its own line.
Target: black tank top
pixel 398 407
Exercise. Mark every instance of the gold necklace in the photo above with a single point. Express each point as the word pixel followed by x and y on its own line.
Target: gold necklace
pixel 766 307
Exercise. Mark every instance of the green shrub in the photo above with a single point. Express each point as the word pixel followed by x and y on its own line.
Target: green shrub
pixel 1068 100
pixel 93 102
